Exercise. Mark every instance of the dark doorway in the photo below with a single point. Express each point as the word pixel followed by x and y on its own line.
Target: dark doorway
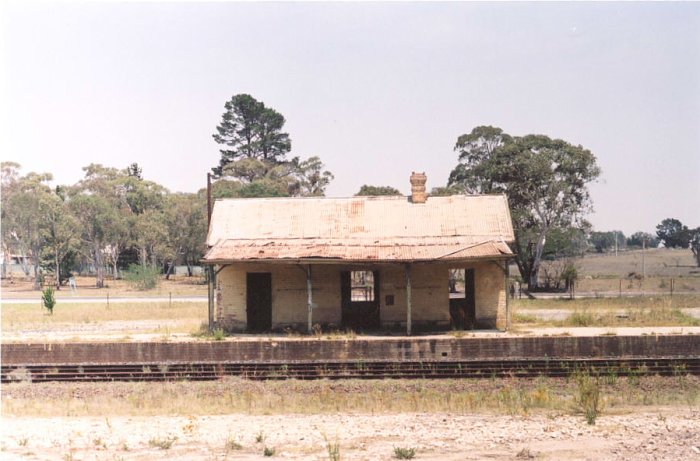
pixel 462 299
pixel 359 293
pixel 259 301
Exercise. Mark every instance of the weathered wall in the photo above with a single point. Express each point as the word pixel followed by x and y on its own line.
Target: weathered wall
pixel 385 349
pixel 430 294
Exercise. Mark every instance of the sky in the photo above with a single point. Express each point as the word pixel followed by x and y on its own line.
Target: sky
pixel 376 90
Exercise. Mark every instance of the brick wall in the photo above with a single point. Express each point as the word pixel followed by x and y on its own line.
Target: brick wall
pixel 322 350
pixel 430 294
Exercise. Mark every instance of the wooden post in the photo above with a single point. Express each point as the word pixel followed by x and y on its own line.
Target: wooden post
pixel 620 296
pixel 208 200
pixel 309 295
pixel 408 299
pixel 672 283
pixel 211 277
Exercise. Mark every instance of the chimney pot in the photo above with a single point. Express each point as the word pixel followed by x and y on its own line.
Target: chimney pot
pixel 418 194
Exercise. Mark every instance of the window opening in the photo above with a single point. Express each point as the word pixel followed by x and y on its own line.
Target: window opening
pixel 457 290
pixel 361 286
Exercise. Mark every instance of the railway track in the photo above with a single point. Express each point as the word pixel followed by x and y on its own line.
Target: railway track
pixel 524 368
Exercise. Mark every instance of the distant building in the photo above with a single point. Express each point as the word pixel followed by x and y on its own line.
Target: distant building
pixel 363 263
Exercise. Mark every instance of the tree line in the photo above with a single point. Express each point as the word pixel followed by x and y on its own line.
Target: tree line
pixel 114 217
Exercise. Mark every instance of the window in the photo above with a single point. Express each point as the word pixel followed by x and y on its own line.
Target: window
pixel 361 286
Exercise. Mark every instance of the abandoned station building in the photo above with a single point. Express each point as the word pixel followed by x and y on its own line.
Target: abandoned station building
pixel 360 263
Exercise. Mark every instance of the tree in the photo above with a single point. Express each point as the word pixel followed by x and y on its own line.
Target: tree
pixel 308 178
pixel 250 130
pixel 60 231
pixel 695 244
pixel 673 234
pixel 545 180
pixel 605 241
pixel 642 239
pixel 186 220
pixel 25 202
pixel 377 190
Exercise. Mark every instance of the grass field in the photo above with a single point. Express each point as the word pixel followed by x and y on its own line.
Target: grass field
pixel 607 312
pixel 20 287
pixel 233 395
pixel 118 318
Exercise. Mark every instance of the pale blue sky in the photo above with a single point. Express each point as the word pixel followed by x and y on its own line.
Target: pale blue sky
pixel 375 89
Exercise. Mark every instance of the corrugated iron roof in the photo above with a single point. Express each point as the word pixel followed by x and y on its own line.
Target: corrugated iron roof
pixel 360 228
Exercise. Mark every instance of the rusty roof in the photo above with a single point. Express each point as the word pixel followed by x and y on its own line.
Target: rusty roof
pixel 360 229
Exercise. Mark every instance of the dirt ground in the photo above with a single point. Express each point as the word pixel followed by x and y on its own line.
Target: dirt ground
pixel 657 433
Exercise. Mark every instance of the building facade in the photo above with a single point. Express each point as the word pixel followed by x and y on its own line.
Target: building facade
pixel 412 264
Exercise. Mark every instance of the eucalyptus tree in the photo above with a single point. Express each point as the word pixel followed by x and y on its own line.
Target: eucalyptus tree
pixel 24 202
pixel 546 182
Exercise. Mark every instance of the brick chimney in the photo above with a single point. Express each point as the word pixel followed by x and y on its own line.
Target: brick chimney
pixel 418 194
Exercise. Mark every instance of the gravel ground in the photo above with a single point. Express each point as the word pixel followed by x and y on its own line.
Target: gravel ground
pixel 656 434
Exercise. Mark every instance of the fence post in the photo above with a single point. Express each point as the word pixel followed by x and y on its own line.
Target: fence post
pixel 672 283
pixel 620 289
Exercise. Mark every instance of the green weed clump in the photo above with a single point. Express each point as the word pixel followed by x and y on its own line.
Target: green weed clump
pixel 48 299
pixel 404 453
pixel 588 399
pixel 162 443
pixel 268 451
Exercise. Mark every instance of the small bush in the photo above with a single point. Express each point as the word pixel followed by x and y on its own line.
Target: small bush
pixel 268 451
pixel 232 444
pixel 587 398
pixel 219 334
pixel 333 449
pixel 260 437
pixel 163 444
pixel 48 299
pixel 581 319
pixel 142 277
pixel 404 453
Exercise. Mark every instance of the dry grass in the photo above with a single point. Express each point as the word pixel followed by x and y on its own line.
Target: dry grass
pixel 612 312
pixel 182 317
pixel 658 262
pixel 231 395
pixel 19 287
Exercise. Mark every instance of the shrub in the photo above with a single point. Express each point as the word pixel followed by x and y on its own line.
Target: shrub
pixel 404 453
pixel 267 451
pixel 142 277
pixel 48 299
pixel 587 396
pixel 163 444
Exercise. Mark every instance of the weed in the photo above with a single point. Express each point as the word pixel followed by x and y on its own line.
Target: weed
pixel 163 444
pixel 48 299
pixel 260 437
pixel 232 444
pixel 99 443
pixel 581 319
pixel 333 449
pixel 587 396
pixel 404 453
pixel 525 453
pixel 268 451
pixel 218 334
pixel 23 442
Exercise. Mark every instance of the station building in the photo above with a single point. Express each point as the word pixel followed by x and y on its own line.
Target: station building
pixel 386 263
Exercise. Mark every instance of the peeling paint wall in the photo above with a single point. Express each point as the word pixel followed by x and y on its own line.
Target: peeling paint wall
pixel 430 294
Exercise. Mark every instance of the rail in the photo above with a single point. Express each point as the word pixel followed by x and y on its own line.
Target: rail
pixel 359 369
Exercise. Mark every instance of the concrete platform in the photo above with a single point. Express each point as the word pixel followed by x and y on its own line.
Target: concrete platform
pixel 287 350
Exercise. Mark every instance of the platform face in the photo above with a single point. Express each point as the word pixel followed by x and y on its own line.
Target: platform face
pixel 358 349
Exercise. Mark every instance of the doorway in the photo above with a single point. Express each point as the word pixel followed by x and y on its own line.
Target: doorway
pixel 462 299
pixel 359 293
pixel 259 301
